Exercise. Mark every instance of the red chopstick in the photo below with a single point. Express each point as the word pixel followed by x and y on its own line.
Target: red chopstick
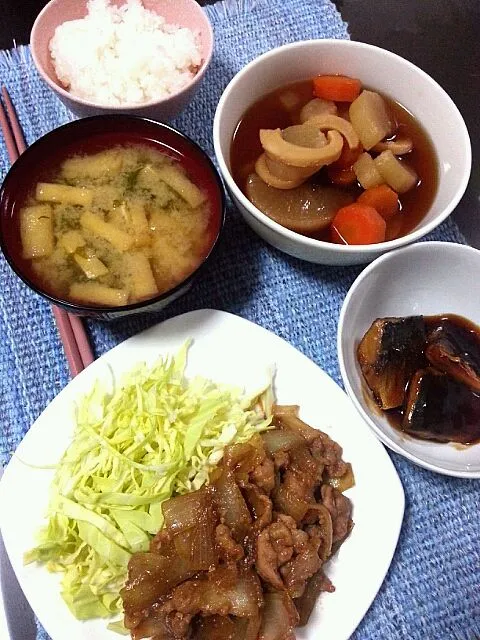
pixel 70 327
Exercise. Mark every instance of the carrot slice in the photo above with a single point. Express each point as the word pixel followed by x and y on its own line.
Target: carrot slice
pixel 358 224
pixel 381 198
pixel 337 88
pixel 342 177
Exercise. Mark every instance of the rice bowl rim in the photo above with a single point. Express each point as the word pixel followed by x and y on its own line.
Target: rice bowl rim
pixel 58 88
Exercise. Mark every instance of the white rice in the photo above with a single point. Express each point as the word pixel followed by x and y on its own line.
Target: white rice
pixel 127 55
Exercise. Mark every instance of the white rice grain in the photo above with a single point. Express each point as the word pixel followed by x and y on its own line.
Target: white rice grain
pixel 123 55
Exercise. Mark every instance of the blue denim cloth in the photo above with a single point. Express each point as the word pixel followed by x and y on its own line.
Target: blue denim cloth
pixel 432 590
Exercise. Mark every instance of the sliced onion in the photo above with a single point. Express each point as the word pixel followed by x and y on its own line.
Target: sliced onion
pixel 246 595
pixel 183 512
pixel 347 481
pixel 150 577
pixel 196 546
pixel 243 458
pixel 289 502
pixel 281 440
pixel 293 423
pixel 231 505
pixel 190 520
pixel 305 604
pixel 280 616
pixel 226 628
pixel 247 629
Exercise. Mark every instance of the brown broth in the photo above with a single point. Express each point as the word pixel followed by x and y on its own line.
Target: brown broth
pixel 270 113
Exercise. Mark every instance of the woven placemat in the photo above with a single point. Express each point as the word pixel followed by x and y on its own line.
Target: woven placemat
pixel 432 590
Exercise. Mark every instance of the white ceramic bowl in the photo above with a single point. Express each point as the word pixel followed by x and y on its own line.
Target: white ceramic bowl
pixel 428 278
pixel 378 69
pixel 184 13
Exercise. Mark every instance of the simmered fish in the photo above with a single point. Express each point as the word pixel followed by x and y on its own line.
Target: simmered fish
pixel 455 349
pixel 441 408
pixel 388 354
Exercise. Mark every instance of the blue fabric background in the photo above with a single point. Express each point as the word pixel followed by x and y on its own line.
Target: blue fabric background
pixel 432 590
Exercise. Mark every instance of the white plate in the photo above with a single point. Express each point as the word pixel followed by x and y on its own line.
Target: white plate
pixel 232 350
pixel 429 278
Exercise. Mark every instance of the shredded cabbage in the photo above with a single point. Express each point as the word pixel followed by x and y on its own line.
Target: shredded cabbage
pixel 155 436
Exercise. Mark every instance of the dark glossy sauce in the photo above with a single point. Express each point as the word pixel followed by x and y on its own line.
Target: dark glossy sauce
pixel 270 113
pixel 458 398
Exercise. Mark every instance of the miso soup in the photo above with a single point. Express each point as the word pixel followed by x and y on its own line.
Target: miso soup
pixel 115 227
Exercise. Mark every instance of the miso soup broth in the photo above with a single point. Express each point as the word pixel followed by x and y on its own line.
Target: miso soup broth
pixel 114 227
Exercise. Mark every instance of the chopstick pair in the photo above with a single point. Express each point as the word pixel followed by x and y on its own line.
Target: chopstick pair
pixel 70 327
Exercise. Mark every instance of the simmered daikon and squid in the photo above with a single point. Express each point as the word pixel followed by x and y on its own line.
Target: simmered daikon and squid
pixel 319 149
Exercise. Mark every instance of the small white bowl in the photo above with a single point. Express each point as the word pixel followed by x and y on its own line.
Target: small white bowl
pixel 378 69
pixel 183 13
pixel 429 278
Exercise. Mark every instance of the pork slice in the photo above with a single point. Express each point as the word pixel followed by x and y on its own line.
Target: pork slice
pixel 329 453
pixel 340 509
pixel 287 556
pixel 221 591
pixel 229 550
pixel 263 476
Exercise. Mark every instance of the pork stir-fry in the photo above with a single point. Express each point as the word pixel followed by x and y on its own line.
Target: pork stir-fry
pixel 243 558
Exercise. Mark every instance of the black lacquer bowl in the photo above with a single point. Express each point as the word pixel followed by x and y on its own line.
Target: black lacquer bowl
pixel 91 135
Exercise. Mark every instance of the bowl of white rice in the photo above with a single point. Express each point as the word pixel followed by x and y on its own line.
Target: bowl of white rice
pixel 142 57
